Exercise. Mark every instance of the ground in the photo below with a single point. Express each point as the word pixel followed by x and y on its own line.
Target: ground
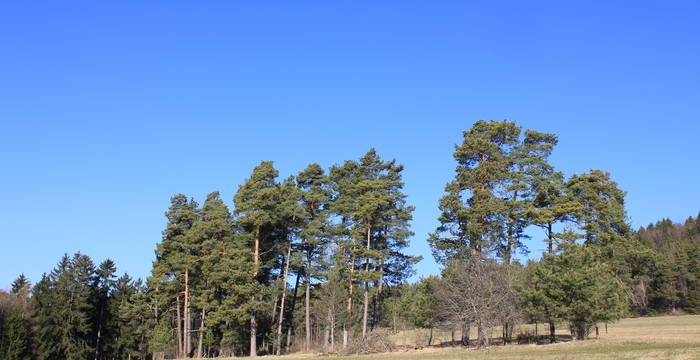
pixel 667 337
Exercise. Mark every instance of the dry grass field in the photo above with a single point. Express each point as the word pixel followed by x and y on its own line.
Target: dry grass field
pixel 668 337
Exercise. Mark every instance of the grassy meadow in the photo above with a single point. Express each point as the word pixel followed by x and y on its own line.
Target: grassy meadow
pixel 667 337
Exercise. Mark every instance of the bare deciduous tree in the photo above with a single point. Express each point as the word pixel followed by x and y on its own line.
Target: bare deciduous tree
pixel 479 293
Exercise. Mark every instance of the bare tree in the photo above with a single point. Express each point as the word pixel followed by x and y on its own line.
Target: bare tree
pixel 480 293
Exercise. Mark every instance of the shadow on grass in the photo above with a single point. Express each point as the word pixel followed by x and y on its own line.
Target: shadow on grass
pixel 495 341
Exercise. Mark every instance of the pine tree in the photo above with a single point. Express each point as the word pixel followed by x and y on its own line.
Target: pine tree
pixel 343 182
pixel 381 218
pixel 553 204
pixel 212 234
pixel 315 232
pixel 559 289
pixel 256 202
pixel 529 168
pixel 174 262
pixel 475 224
pixel 602 216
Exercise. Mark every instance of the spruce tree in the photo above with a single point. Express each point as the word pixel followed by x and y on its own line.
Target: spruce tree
pixel 16 344
pixel 104 331
pixel 131 320
pixel 64 310
pixel 21 286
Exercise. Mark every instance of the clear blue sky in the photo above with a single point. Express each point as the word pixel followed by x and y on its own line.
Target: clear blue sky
pixel 108 108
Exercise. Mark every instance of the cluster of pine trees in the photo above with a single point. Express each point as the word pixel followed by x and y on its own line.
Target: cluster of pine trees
pixel 317 260
pixel 296 263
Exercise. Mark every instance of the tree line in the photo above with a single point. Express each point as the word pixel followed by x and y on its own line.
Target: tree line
pixel 317 260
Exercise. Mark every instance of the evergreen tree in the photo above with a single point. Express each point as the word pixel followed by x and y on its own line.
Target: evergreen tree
pixel 16 344
pixel 381 218
pixel 529 168
pixel 602 216
pixel 560 289
pixel 670 277
pixel 343 181
pixel 104 283
pixel 552 205
pixel 315 232
pixel 175 261
pixel 64 310
pixel 210 235
pixel 225 270
pixel 472 210
pixel 21 286
pixel 131 318
pixel 256 203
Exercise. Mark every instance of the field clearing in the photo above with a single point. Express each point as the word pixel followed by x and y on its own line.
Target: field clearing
pixel 667 337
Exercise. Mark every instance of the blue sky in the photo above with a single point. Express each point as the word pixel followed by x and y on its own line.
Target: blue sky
pixel 109 108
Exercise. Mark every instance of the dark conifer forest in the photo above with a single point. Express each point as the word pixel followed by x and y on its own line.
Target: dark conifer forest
pixel 317 261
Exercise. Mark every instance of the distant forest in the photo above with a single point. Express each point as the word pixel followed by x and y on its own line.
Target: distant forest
pixel 317 262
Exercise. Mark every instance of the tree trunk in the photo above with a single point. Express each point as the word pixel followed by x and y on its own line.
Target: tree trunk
pixel 345 336
pixel 99 329
pixel 188 348
pixel 307 316
pixel 394 315
pixel 366 294
pixel 253 335
pixel 365 311
pixel 326 335
pixel 329 327
pixel 481 335
pixel 284 293
pixel 430 338
pixel 332 329
pixel 290 324
pixel 552 332
pixel 201 336
pixel 507 254
pixel 289 337
pixel 350 287
pixel 179 327
pixel 274 304
pixel 465 333
pixel 374 313
pixel 468 326
pixel 581 331
pixel 550 238
pixel 253 321
pixel 376 303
